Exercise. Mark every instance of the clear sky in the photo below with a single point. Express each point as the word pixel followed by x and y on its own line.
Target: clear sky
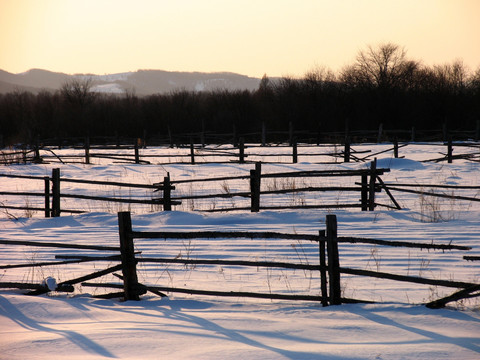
pixel 251 37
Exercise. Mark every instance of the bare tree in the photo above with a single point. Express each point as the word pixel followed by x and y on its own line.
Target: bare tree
pixel 78 92
pixel 385 66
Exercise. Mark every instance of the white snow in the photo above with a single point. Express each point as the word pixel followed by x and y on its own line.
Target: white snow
pixel 398 326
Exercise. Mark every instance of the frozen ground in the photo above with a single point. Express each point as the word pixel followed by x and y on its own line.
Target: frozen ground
pixel 398 326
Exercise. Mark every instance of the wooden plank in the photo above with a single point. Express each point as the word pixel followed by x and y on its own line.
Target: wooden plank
pixel 459 295
pixel 58 245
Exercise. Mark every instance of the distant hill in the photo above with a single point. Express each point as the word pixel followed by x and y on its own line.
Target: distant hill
pixel 142 82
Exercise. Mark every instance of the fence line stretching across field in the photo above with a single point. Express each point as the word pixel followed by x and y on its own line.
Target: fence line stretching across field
pixel 329 265
pixel 236 153
pixel 367 187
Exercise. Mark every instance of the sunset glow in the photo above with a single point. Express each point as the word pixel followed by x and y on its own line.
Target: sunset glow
pixel 249 37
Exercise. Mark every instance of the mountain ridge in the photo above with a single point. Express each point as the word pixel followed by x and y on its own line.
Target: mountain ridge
pixel 142 82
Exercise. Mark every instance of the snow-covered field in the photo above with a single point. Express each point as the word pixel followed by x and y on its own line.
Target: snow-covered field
pixel 183 326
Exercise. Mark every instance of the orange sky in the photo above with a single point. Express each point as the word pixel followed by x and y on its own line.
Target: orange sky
pixel 250 37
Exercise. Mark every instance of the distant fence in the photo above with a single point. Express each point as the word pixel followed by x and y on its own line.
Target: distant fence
pixel 328 266
pixel 194 153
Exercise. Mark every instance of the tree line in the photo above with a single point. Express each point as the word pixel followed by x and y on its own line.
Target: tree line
pixel 382 86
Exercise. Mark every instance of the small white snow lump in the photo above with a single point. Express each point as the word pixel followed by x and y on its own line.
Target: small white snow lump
pixel 50 283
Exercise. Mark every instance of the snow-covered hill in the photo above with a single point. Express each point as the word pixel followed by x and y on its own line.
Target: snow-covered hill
pixel 142 82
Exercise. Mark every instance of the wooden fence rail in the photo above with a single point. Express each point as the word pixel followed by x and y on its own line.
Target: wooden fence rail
pixel 236 153
pixel 329 263
pixel 329 267
pixel 52 192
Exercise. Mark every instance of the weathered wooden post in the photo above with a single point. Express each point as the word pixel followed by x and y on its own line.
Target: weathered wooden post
pixel 380 133
pixel 333 260
pixel 395 148
pixel 323 267
pixel 46 180
pixel 192 152
pixel 127 253
pixel 294 150
pixel 170 137
pixel 136 154
pixel 87 150
pixel 347 151
pixel 290 133
pixel 264 134
pixel 477 131
pixel 56 193
pixel 167 193
pixel 364 192
pixel 371 189
pixel 241 150
pixel 449 151
pixel 255 183
pixel 234 136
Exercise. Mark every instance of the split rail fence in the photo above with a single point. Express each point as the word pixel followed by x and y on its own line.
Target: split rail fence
pixel 369 184
pixel 328 266
pixel 194 153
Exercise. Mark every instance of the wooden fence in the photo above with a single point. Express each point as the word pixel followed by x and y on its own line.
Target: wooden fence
pixel 368 185
pixel 328 267
pixel 192 153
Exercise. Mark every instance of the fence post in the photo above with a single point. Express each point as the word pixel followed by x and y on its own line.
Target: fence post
pixel 255 182
pixel 127 252
pixel 380 133
pixel 395 148
pixel 364 192
pixel 137 154
pixel 371 190
pixel 47 196
pixel 449 151
pixel 56 192
pixel 264 134
pixel 323 267
pixel 333 260
pixel 87 150
pixel 241 150
pixel 294 150
pixel 234 136
pixel 167 193
pixel 192 152
pixel 477 131
pixel 170 138
pixel 346 152
pixel 290 133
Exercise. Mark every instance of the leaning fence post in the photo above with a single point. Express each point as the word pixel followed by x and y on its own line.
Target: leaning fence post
pixel 323 267
pixel 333 260
pixel 127 253
pixel 255 182
pixel 47 196
pixel 371 190
pixel 56 192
